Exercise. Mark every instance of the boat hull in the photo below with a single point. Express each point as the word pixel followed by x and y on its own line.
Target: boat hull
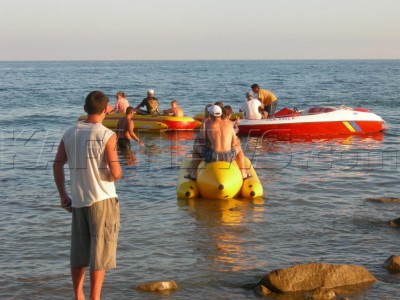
pixel 340 122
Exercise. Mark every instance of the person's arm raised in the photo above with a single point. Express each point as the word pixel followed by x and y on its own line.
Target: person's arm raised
pixel 112 159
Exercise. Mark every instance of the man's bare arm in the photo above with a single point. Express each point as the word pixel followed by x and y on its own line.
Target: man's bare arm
pixel 59 175
pixel 131 126
pixel 112 159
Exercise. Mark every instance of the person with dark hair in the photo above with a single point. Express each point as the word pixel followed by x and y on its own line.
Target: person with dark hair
pixel 220 104
pixel 267 98
pixel 121 104
pixel 125 131
pixel 151 103
pixel 90 150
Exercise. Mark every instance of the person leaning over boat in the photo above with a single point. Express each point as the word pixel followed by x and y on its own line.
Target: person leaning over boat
pixel 90 150
pixel 121 104
pixel 151 103
pixel 252 107
pixel 125 131
pixel 267 98
pixel 174 111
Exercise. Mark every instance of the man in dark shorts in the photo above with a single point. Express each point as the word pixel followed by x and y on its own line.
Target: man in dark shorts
pixel 125 131
pixel 220 136
pixel 90 150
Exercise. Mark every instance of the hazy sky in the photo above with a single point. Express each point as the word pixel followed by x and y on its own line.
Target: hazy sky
pixel 198 29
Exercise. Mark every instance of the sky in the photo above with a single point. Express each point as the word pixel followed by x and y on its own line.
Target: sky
pixel 199 29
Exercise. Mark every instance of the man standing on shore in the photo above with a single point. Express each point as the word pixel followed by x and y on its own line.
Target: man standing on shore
pixel 90 150
pixel 267 98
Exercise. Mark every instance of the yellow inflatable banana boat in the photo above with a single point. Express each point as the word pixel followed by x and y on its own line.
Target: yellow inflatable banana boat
pixel 218 180
pixel 149 122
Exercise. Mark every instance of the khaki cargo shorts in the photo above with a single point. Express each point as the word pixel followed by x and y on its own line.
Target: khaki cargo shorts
pixel 94 235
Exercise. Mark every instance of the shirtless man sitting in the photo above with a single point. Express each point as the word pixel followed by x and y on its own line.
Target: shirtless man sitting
pixel 125 128
pixel 221 137
pixel 174 111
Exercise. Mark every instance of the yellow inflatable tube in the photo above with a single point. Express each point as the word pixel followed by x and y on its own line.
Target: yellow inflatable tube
pixel 186 188
pixel 111 122
pixel 252 187
pixel 218 180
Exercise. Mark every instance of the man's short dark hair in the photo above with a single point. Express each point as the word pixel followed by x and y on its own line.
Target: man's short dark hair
pixel 255 86
pixel 96 102
pixel 220 104
pixel 129 110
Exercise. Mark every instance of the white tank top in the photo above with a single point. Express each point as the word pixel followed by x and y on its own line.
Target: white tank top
pixel 85 144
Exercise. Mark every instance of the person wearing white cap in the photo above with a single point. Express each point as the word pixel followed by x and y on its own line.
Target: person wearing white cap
pixel 151 104
pixel 252 107
pixel 220 136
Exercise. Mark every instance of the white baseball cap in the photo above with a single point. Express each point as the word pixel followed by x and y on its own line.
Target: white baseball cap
pixel 151 92
pixel 215 110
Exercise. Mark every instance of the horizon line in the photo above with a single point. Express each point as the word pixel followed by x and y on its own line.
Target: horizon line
pixel 211 59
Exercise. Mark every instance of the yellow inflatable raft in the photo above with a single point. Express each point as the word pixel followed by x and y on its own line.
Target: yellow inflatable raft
pixel 218 180
pixel 149 122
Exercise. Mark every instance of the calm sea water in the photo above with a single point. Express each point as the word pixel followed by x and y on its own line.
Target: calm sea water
pixel 315 209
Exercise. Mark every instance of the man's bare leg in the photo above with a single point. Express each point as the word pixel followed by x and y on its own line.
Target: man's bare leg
pixel 96 283
pixel 78 277
pixel 240 162
pixel 196 160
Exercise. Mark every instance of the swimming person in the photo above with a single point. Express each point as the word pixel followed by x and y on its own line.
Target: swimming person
pixel 90 150
pixel 175 110
pixel 151 103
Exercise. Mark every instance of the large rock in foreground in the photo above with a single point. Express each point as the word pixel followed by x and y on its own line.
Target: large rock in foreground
pixel 315 275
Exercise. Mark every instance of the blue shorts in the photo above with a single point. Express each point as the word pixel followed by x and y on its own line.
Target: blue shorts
pixel 210 156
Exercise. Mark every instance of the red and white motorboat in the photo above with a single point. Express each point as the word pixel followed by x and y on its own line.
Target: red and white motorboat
pixel 316 121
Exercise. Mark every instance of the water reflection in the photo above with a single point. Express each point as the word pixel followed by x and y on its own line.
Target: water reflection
pixel 270 143
pixel 222 231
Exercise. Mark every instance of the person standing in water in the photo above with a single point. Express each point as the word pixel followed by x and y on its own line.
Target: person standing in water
pixel 90 150
pixel 125 131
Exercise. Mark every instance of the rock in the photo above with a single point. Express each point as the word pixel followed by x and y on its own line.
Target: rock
pixel 158 286
pixel 392 263
pixel 320 294
pixel 395 222
pixel 315 275
pixel 262 290
pixel 384 200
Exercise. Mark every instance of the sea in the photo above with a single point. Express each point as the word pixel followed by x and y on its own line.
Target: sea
pixel 326 199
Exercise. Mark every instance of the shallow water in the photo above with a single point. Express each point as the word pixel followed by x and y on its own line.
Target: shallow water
pixel 315 208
